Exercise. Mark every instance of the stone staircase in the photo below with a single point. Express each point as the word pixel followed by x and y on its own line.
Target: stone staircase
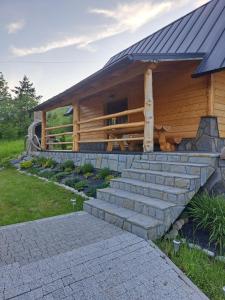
pixel 150 196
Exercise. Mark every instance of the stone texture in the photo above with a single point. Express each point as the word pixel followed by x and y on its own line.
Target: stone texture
pixel 102 262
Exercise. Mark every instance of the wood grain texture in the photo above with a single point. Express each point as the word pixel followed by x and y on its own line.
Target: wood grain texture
pixel 219 101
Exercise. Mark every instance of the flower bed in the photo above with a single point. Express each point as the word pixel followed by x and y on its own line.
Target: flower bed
pixel 83 178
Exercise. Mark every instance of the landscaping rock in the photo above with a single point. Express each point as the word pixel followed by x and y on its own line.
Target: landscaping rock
pixel 172 234
pixel 220 258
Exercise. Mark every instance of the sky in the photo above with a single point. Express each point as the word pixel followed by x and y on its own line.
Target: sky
pixel 57 43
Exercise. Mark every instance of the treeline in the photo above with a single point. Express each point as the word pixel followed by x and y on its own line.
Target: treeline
pixel 15 108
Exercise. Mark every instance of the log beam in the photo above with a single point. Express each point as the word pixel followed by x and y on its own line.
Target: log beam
pixel 43 130
pixel 148 144
pixel 76 127
pixel 211 95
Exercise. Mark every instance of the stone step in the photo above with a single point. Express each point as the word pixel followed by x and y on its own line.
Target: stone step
pixel 186 157
pixel 201 170
pixel 162 177
pixel 166 193
pixel 141 225
pixel 159 209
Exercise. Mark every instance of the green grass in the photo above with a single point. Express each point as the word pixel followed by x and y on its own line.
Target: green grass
pixel 25 198
pixel 11 148
pixel 207 273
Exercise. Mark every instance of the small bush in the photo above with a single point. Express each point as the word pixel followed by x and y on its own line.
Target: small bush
pixel 71 182
pixel 109 177
pixel 103 185
pixel 68 164
pixel 209 213
pixel 87 175
pixel 26 164
pixel 81 185
pixel 40 161
pixel 59 176
pixel 87 168
pixel 46 174
pixel 50 163
pixel 91 192
pixel 77 170
pixel 103 173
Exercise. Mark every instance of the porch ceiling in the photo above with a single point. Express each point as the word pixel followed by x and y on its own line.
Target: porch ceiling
pixel 124 70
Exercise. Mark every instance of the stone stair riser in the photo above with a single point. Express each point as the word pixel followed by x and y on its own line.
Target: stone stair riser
pixel 146 233
pixel 174 168
pixel 184 158
pixel 167 214
pixel 150 192
pixel 179 182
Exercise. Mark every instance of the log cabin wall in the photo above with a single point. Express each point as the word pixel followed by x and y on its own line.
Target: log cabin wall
pixel 180 100
pixel 96 106
pixel 219 100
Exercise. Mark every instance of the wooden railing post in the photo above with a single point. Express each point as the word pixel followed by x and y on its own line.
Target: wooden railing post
pixel 43 130
pixel 148 144
pixel 76 127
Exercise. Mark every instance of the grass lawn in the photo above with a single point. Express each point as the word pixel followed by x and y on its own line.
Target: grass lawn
pixel 25 198
pixel 11 148
pixel 207 273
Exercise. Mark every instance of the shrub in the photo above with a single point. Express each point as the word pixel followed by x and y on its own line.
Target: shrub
pixel 91 192
pixel 209 213
pixel 87 175
pixel 109 177
pixel 46 174
pixel 103 173
pixel 26 164
pixel 87 168
pixel 81 185
pixel 40 161
pixel 71 182
pixel 50 163
pixel 68 165
pixel 103 185
pixel 77 170
pixel 59 176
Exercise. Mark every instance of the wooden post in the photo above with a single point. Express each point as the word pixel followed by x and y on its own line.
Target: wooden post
pixel 76 127
pixel 148 144
pixel 43 131
pixel 211 93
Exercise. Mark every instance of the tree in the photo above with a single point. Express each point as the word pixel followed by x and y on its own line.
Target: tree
pixel 25 100
pixel 4 89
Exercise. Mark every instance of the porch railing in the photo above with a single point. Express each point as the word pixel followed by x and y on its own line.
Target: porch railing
pixel 115 133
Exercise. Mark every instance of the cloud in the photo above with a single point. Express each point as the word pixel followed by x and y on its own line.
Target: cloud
pixel 124 18
pixel 15 26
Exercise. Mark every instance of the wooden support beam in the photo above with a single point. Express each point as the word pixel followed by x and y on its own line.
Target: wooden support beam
pixel 76 127
pixel 43 130
pixel 211 94
pixel 148 144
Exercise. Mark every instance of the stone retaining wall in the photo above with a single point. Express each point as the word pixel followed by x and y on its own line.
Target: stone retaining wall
pixel 113 161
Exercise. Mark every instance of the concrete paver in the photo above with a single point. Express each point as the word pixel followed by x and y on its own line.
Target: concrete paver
pixel 78 256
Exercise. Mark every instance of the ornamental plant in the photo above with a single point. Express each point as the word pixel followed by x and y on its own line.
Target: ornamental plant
pixel 208 212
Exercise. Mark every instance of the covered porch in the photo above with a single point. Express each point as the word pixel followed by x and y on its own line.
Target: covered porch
pixel 139 104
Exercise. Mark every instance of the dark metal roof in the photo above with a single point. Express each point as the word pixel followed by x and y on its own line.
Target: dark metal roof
pixel 197 35
pixel 200 31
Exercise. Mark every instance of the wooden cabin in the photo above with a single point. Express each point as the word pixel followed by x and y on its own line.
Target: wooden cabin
pixel 152 95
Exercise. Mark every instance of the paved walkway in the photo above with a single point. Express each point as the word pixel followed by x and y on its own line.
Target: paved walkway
pixel 77 256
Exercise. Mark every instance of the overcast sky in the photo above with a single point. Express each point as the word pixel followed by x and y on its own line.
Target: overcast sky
pixel 57 43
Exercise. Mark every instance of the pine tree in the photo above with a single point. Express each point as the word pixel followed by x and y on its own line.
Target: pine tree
pixel 4 89
pixel 25 100
pixel 26 88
